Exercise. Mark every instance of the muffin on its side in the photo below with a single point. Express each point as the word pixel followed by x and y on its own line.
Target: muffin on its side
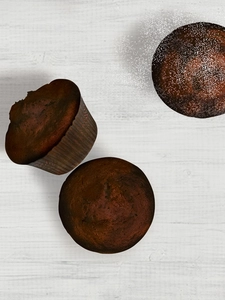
pixel 188 70
pixel 106 205
pixel 51 128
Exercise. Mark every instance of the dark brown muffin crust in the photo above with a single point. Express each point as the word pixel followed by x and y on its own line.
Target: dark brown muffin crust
pixel 188 70
pixel 40 120
pixel 106 205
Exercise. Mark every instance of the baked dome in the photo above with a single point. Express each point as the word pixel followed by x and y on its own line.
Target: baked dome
pixel 106 205
pixel 40 120
pixel 188 70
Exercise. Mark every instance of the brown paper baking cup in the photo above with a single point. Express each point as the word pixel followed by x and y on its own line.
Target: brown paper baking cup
pixel 73 147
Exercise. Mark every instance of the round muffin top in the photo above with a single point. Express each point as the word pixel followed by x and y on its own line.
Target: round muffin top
pixel 40 120
pixel 188 70
pixel 106 205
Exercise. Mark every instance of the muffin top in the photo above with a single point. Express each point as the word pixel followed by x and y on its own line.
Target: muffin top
pixel 106 205
pixel 188 70
pixel 40 120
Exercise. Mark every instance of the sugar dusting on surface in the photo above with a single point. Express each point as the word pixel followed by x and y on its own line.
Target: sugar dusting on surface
pixel 189 66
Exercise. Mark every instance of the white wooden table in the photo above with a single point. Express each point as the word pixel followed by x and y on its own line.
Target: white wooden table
pixel 106 47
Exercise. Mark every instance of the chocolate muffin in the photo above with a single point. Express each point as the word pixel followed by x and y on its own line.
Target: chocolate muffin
pixel 51 128
pixel 106 205
pixel 188 70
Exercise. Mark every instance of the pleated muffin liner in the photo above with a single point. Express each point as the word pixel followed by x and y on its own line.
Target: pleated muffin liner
pixel 74 145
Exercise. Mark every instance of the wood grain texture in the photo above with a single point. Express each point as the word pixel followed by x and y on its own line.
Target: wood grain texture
pixel 106 48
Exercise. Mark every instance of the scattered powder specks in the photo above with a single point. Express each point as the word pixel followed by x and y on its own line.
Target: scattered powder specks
pixel 139 44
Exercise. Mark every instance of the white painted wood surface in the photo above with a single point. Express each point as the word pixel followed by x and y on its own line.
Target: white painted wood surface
pixel 106 47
